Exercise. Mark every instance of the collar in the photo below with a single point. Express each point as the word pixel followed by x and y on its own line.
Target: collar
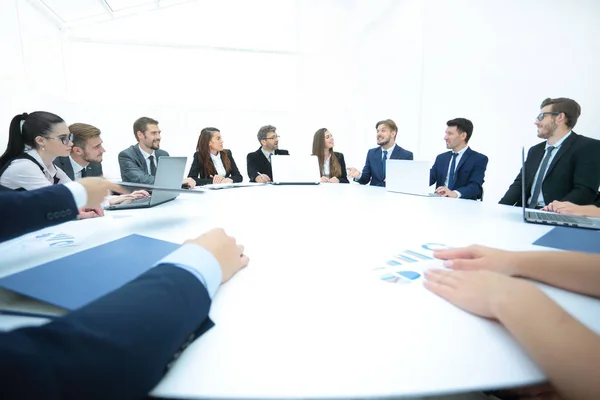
pixel 266 153
pixel 146 155
pixel 75 165
pixel 461 152
pixel 50 169
pixel 217 157
pixel 560 142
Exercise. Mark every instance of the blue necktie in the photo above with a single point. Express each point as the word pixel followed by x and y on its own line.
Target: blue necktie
pixel 383 160
pixel 537 188
pixel 451 172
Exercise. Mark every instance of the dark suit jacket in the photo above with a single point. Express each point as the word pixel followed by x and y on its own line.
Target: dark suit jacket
pixel 573 175
pixel 373 170
pixel 344 177
pixel 468 176
pixel 202 178
pixel 257 162
pixel 118 347
pixel 133 165
pixel 64 163
pixel 27 211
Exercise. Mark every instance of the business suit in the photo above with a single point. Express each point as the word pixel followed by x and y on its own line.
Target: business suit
pixel 573 175
pixel 203 178
pixel 117 347
pixel 257 162
pixel 133 165
pixel 468 175
pixel 43 207
pixel 340 157
pixel 373 169
pixel 64 163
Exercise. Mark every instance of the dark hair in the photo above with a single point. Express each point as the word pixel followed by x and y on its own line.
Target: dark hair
pixel 39 123
pixel 82 133
pixel 263 131
pixel 570 108
pixel 462 125
pixel 203 149
pixel 318 148
pixel 390 124
pixel 141 124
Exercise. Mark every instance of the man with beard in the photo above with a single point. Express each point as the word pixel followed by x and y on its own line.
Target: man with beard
pixel 565 167
pixel 258 162
pixel 138 163
pixel 459 172
pixel 374 169
pixel 86 154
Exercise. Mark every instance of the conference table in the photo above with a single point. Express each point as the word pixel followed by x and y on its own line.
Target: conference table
pixel 315 314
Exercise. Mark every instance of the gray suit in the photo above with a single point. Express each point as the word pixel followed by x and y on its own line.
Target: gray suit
pixel 64 163
pixel 133 165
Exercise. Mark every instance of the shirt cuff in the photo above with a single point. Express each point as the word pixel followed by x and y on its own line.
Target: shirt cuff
pixel 199 262
pixel 458 195
pixel 358 177
pixel 78 192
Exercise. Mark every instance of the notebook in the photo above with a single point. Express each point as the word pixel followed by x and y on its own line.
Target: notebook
pixel 408 177
pixel 295 170
pixel 73 281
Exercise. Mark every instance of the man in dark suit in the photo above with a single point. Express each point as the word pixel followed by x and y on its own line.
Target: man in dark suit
pixel 138 163
pixel 461 171
pixel 565 167
pixel 121 345
pixel 259 162
pixel 86 154
pixel 374 169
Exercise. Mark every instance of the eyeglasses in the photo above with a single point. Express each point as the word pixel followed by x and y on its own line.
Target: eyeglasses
pixel 542 115
pixel 273 137
pixel 66 139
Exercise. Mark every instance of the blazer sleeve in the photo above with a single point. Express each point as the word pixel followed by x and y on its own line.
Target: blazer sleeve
pixel 131 171
pixel 235 172
pixel 366 172
pixel 408 155
pixel 586 174
pixel 40 208
pixel 118 347
pixel 473 188
pixel 344 177
pixel 195 172
pixel 433 172
pixel 251 166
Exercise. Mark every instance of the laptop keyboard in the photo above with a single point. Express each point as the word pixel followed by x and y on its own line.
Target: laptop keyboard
pixel 567 219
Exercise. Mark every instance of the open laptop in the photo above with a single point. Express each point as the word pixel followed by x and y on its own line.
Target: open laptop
pixel 169 174
pixel 550 218
pixel 408 177
pixel 295 170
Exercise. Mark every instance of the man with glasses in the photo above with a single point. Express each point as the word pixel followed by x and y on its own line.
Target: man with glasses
pixel 259 162
pixel 565 167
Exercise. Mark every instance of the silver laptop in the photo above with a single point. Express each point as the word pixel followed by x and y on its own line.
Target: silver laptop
pixel 295 170
pixel 169 174
pixel 550 218
pixel 408 177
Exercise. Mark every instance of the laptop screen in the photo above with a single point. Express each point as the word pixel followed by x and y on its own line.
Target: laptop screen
pixel 523 182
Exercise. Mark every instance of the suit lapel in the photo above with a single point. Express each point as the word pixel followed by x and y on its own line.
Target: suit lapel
pixel 67 167
pixel 531 166
pixel 378 167
pixel 464 157
pixel 140 157
pixel 445 161
pixel 563 149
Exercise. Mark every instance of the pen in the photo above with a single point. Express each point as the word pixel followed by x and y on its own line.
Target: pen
pixel 28 314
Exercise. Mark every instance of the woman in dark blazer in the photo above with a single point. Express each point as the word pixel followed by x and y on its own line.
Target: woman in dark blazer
pixel 331 163
pixel 211 163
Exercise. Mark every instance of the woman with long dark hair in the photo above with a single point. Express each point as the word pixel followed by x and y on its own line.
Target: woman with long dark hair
pixel 213 164
pixel 331 163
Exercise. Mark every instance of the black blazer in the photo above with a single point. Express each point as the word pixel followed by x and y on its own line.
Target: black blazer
pixel 257 162
pixel 64 163
pixel 344 177
pixel 202 178
pixel 573 175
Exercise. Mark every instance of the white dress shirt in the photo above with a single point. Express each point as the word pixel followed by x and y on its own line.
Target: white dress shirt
pixel 77 168
pixel 327 166
pixel 24 173
pixel 146 157
pixel 267 154
pixel 540 200
pixel 218 163
pixel 458 157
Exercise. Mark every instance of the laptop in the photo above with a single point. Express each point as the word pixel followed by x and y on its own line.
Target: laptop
pixel 295 170
pixel 550 218
pixel 169 174
pixel 408 177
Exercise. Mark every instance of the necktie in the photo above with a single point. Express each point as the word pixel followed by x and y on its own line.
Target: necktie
pixel 152 166
pixel 83 173
pixel 383 160
pixel 537 187
pixel 451 172
pixel 270 154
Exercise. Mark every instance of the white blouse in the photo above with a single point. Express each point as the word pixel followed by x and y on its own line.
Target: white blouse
pixel 23 173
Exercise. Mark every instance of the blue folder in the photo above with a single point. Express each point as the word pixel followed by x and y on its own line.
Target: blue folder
pixel 73 281
pixel 571 239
